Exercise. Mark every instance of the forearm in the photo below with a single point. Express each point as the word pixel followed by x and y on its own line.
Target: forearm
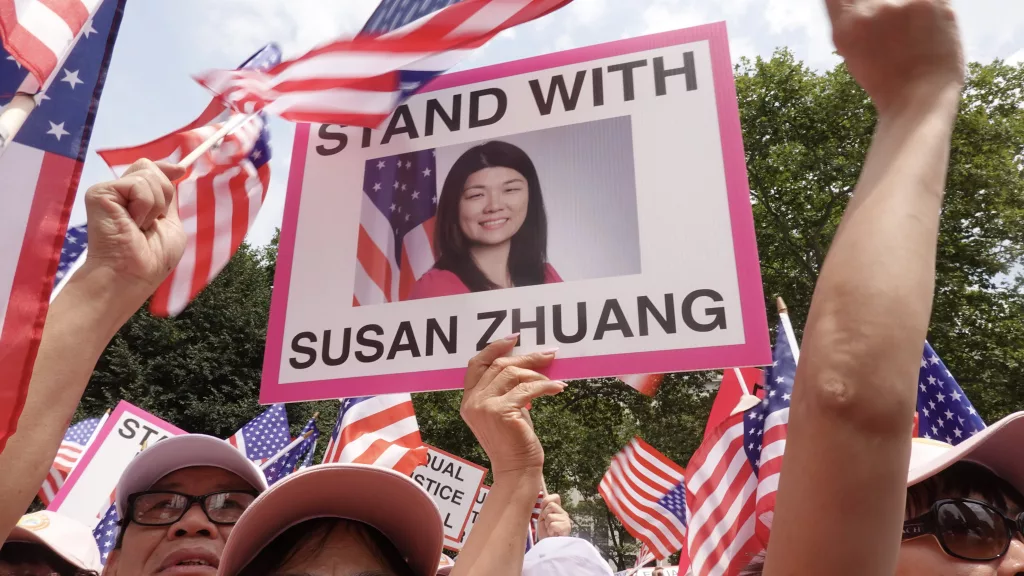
pixel 80 323
pixel 498 541
pixel 855 392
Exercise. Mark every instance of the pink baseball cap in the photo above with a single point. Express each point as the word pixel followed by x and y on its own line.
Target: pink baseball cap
pixel 380 497
pixel 997 448
pixel 66 537
pixel 185 451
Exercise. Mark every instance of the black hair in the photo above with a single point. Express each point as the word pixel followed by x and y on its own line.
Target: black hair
pixel 961 480
pixel 30 553
pixel 307 539
pixel 528 252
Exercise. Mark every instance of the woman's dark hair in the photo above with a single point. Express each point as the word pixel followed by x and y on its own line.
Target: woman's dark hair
pixel 528 252
pixel 16 553
pixel 307 539
pixel 961 480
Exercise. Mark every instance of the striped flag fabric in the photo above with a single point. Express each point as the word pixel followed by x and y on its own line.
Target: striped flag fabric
pixel 393 14
pixel 396 226
pixel 106 531
pixel 646 492
pixel 264 436
pixel 377 430
pixel 943 411
pixel 646 384
pixel 644 556
pixel 360 81
pixel 41 170
pixel 218 199
pixel 733 393
pixel 72 256
pixel 76 439
pixel 38 34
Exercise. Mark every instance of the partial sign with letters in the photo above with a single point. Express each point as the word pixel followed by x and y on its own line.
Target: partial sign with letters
pixel 478 505
pixel 453 484
pixel 86 494
pixel 594 199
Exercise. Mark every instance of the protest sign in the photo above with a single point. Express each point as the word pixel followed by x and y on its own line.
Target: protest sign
pixel 86 494
pixel 453 484
pixel 607 184
pixel 478 505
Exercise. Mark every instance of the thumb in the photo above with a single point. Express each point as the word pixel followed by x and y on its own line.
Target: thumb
pixel 172 171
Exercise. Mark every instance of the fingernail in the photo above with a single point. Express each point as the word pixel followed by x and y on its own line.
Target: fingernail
pixel 511 337
pixel 549 352
pixel 529 405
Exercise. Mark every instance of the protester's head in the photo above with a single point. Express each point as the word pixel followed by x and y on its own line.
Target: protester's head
pixel 46 543
pixel 965 506
pixel 564 555
pixel 338 520
pixel 492 197
pixel 178 501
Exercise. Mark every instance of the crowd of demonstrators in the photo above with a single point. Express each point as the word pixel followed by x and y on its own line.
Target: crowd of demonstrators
pixel 859 495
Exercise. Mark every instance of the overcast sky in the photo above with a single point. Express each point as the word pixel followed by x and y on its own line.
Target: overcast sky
pixel 149 90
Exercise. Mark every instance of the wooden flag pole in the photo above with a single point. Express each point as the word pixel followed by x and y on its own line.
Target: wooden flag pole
pixel 285 450
pixel 228 127
pixel 788 326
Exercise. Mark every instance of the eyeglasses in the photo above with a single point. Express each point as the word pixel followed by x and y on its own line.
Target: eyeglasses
pixel 966 529
pixel 166 508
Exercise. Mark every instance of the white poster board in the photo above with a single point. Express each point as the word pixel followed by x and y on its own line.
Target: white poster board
pixel 478 505
pixel 86 494
pixel 453 483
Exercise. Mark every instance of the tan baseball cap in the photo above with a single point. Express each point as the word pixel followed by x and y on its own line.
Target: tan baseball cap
pixel 185 451
pixel 997 448
pixel 66 537
pixel 380 497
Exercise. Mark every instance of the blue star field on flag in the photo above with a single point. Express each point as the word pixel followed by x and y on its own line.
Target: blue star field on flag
pixel 944 413
pixel 290 462
pixel 675 502
pixel 404 189
pixel 105 532
pixel 778 389
pixel 81 432
pixel 75 241
pixel 265 435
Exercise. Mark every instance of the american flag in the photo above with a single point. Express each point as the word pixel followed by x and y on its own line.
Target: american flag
pixel 41 169
pixel 735 473
pixel 39 33
pixel 360 81
pixel 378 430
pixel 644 556
pixel 106 531
pixel 646 384
pixel 71 448
pixel 646 492
pixel 396 226
pixel 218 199
pixel 393 14
pixel 72 254
pixel 264 436
pixel 943 410
pixel 290 461
pixel 307 460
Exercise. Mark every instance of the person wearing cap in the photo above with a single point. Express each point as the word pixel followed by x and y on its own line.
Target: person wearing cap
pixel 178 501
pixel 47 543
pixel 558 555
pixel 135 240
pixel 841 507
pixel 349 519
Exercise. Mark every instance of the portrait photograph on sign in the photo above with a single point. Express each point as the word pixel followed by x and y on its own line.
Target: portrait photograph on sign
pixel 593 200
pixel 543 207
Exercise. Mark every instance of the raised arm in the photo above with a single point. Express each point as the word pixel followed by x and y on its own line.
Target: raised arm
pixel 841 497
pixel 498 391
pixel 135 239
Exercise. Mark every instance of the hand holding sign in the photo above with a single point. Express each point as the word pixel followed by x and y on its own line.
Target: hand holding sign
pixel 554 520
pixel 134 231
pixel 498 389
pixel 899 49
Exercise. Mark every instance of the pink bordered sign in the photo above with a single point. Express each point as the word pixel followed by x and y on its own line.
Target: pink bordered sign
pixel 87 492
pixel 594 200
pixel 453 483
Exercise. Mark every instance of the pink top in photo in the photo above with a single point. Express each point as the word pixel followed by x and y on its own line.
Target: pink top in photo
pixel 436 283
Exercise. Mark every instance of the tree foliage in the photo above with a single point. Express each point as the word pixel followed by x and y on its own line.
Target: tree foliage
pixel 806 135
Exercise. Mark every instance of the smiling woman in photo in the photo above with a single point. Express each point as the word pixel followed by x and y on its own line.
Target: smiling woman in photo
pixel 491 227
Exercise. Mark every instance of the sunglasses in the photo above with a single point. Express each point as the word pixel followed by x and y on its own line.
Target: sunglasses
pixel 158 508
pixel 966 529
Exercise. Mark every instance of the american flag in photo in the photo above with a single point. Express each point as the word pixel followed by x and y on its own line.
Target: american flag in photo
pixel 646 492
pixel 360 81
pixel 218 199
pixel 944 413
pixel 72 255
pixel 39 34
pixel 396 226
pixel 70 451
pixel 106 531
pixel 264 436
pixel 377 430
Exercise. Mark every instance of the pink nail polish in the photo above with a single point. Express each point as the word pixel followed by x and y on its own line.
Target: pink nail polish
pixel 549 351
pixel 511 337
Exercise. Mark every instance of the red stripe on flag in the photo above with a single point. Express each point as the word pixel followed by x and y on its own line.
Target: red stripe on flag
pixel 374 262
pixel 428 229
pixel 28 50
pixel 72 12
pixel 371 424
pixel 206 224
pixel 32 284
pixel 406 277
pixel 239 209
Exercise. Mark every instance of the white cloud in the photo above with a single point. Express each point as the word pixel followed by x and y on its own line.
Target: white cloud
pixel 1017 57
pixel 588 11
pixel 665 15
pixel 740 47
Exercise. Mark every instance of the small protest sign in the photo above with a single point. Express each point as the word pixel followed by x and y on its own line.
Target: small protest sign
pixel 478 505
pixel 594 199
pixel 85 495
pixel 453 484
